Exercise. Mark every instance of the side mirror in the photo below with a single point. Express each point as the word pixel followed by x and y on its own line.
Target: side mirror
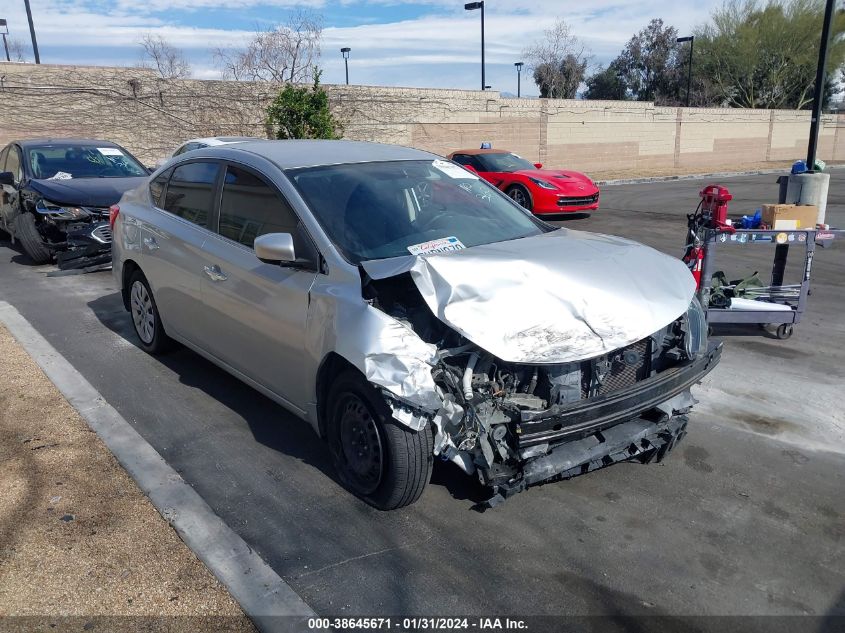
pixel 470 168
pixel 7 178
pixel 538 165
pixel 275 248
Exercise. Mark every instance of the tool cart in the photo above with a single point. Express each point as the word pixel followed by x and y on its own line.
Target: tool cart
pixel 709 231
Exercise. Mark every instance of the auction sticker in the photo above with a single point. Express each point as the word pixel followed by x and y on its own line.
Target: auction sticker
pixel 453 171
pixel 443 245
pixel 109 151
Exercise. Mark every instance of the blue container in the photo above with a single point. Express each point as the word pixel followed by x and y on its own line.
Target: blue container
pixel 799 167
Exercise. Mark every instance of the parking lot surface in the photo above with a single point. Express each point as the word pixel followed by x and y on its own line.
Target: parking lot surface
pixel 747 516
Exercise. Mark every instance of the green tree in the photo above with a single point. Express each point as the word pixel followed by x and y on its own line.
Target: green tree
pixel 764 56
pixel 303 112
pixel 607 83
pixel 558 61
pixel 652 64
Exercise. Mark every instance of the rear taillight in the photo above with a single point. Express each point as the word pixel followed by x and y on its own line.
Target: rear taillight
pixel 114 210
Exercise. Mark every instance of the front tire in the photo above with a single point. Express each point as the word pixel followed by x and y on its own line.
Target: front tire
pixel 378 459
pixel 145 317
pixel 31 240
pixel 521 196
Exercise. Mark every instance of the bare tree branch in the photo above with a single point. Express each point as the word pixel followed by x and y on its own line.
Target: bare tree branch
pixel 167 60
pixel 284 53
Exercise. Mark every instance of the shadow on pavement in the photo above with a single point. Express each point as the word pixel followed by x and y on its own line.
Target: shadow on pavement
pixel 271 425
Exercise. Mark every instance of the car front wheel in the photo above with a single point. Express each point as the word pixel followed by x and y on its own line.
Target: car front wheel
pixel 145 316
pixel 31 240
pixel 520 195
pixel 378 459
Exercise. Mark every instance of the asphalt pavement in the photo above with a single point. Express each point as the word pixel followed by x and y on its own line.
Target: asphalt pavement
pixel 747 516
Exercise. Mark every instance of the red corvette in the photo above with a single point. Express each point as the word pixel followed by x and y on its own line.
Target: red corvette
pixel 541 191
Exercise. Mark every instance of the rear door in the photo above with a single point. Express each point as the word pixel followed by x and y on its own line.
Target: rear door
pixel 171 246
pixel 256 312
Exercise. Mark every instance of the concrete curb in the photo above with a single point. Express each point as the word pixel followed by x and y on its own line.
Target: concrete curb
pixel 268 600
pixel 715 174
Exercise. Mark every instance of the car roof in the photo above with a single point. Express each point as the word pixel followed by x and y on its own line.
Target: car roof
pixel 292 154
pixel 473 152
pixel 40 142
pixel 221 140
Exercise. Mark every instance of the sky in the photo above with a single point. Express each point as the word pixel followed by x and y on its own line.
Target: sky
pixel 416 43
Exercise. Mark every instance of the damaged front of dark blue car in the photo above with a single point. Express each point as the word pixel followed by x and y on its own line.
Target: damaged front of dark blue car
pixel 56 195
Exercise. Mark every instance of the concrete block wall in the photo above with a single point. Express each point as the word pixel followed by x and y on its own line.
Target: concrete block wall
pixel 151 116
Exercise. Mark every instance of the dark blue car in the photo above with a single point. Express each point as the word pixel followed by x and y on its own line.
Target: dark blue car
pixel 55 196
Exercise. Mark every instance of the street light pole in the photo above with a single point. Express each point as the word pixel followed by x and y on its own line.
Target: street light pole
pixel 518 78
pixel 5 33
pixel 472 6
pixel 818 92
pixel 345 52
pixel 691 40
pixel 32 32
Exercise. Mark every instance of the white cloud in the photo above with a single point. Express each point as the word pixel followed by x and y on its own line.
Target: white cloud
pixel 437 49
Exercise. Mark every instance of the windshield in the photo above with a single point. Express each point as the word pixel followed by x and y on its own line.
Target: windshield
pixel 64 162
pixel 390 209
pixel 505 162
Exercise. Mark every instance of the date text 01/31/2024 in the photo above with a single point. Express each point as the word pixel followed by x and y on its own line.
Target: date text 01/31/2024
pixel 418 624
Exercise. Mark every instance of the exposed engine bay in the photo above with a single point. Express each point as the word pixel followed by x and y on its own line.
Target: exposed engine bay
pixel 504 421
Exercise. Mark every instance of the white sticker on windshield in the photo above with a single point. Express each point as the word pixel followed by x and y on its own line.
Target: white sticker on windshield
pixel 443 245
pixel 109 151
pixel 453 171
pixel 61 175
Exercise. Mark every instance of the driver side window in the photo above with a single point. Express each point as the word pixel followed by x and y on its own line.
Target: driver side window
pixel 13 163
pixel 467 159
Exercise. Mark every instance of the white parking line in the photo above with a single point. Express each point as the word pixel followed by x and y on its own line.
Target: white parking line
pixel 267 599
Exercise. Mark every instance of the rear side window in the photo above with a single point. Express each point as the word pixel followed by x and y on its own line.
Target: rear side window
pixel 250 207
pixel 157 187
pixel 3 155
pixel 190 192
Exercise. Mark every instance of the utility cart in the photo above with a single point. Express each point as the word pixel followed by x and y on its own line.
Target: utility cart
pixel 776 304
pixel 708 231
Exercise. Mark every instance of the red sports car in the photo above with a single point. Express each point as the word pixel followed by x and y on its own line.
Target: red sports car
pixel 541 191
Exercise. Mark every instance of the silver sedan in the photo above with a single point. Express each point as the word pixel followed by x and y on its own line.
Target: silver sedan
pixel 408 310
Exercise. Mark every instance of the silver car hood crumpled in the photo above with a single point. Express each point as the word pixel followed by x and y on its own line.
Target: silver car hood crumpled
pixel 552 298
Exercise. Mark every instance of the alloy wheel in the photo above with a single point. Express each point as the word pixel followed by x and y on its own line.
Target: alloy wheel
pixel 143 315
pixel 518 196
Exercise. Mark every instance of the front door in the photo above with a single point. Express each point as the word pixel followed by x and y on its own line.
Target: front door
pixel 255 313
pixel 10 160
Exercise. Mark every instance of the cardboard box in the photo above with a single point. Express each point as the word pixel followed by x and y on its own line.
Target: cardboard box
pixel 804 215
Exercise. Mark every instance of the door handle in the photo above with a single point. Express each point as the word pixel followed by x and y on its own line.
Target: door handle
pixel 214 273
pixel 151 244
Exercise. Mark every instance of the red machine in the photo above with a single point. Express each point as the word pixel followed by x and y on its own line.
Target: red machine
pixel 714 203
pixel 711 214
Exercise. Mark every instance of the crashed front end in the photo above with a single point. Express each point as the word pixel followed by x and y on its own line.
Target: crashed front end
pixel 540 379
pixel 80 236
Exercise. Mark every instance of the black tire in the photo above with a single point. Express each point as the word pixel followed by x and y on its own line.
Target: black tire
pixel 32 242
pixel 146 320
pixel 393 463
pixel 521 196
pixel 784 331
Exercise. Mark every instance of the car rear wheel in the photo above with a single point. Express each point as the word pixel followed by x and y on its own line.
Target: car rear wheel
pixel 378 459
pixel 31 240
pixel 520 195
pixel 145 316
